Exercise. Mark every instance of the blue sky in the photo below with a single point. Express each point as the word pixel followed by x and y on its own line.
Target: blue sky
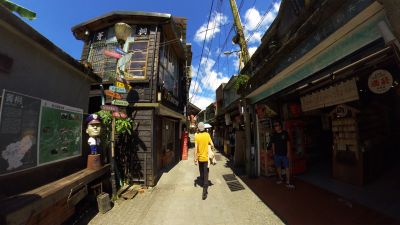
pixel 56 18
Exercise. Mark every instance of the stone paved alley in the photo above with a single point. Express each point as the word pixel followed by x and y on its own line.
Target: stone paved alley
pixel 175 200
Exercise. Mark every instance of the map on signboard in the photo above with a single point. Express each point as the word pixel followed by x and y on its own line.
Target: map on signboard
pixel 19 116
pixel 60 132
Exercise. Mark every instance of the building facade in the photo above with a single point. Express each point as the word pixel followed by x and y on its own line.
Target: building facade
pixel 44 99
pixel 156 65
pixel 331 76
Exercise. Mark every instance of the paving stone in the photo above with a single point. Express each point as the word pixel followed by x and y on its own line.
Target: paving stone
pixel 175 200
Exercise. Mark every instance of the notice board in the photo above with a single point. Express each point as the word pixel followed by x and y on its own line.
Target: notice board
pixel 34 132
pixel 19 117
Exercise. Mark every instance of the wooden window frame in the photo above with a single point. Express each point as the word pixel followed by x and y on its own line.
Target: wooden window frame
pixel 144 77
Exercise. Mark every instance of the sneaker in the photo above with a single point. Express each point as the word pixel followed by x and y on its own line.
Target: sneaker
pixel 279 182
pixel 204 196
pixel 290 186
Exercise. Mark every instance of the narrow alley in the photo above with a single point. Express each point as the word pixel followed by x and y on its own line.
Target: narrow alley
pixel 175 200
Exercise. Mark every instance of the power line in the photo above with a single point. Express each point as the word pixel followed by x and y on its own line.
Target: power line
pixel 202 51
pixel 261 20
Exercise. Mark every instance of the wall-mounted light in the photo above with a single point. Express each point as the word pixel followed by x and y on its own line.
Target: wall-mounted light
pixel 159 96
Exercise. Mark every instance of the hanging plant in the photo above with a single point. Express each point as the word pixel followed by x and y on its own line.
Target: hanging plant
pixel 241 81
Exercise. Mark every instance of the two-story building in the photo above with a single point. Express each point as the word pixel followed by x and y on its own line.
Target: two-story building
pixel 156 64
pixel 44 99
pixel 329 70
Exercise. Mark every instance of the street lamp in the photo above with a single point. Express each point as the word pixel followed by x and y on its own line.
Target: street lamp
pixel 240 57
pixel 230 52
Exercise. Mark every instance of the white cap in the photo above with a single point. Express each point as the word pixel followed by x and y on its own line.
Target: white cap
pixel 200 126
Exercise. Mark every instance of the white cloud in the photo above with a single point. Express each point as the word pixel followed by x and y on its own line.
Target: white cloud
pixel 277 6
pixel 195 88
pixel 252 50
pixel 217 19
pixel 211 79
pixel 253 18
pixel 255 38
pixel 202 102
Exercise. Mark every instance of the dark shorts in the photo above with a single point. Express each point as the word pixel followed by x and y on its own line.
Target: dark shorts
pixel 281 160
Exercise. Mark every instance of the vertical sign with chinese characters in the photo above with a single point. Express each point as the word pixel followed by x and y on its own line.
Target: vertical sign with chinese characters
pixel 19 120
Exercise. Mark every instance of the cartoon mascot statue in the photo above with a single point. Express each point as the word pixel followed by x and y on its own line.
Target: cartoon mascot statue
pixel 93 130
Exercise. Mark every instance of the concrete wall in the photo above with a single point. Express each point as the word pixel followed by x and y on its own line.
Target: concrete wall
pixel 39 73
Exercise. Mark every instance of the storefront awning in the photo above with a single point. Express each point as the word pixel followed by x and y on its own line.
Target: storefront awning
pixel 164 111
pixel 357 33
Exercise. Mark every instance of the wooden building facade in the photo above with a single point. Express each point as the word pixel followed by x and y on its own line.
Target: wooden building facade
pixel 157 68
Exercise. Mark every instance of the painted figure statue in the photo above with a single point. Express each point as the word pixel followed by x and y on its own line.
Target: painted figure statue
pixel 93 130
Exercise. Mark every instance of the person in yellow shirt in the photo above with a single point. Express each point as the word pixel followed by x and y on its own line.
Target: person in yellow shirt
pixel 201 141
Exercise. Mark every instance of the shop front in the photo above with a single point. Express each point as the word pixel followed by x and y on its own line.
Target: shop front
pixel 337 100
pixel 353 122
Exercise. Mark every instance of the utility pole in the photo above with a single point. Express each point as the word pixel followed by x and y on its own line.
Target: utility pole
pixel 246 58
pixel 240 35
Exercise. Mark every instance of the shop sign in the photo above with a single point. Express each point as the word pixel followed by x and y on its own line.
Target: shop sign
pixel 380 81
pixel 109 108
pixel 341 93
pixel 119 102
pixel 117 89
pixel 112 94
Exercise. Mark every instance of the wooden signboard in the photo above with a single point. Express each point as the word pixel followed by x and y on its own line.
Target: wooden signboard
pixel 112 94
pixel 117 89
pixel 119 102
pixel 123 85
pixel 119 115
pixel 336 94
pixel 109 108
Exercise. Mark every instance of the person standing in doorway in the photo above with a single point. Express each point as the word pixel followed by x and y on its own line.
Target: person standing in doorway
pixel 202 140
pixel 282 153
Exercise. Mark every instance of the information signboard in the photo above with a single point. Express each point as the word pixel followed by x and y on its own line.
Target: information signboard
pixel 19 117
pixel 60 132
pixel 34 132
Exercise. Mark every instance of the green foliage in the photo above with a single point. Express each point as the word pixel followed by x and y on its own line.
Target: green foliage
pixel 240 81
pixel 26 13
pixel 122 126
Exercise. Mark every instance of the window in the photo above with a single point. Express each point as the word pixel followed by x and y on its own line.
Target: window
pixel 169 67
pixel 102 65
pixel 137 65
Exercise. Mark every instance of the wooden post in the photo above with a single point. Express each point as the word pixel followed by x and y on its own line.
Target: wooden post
pixel 112 178
pixel 246 58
